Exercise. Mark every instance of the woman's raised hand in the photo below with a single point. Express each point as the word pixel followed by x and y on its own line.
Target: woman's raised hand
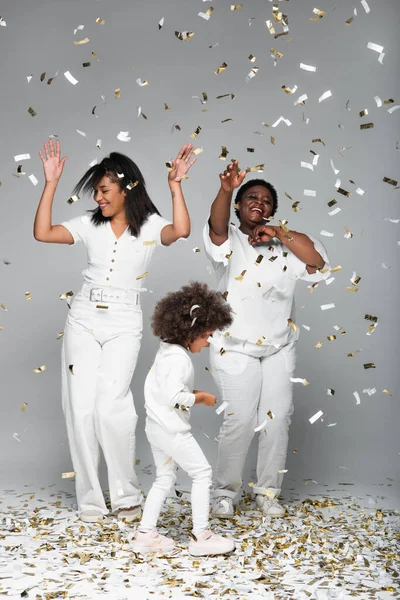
pixel 52 164
pixel 231 178
pixel 264 233
pixel 182 163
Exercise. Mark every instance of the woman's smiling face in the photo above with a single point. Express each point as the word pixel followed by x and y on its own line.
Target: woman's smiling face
pixel 255 206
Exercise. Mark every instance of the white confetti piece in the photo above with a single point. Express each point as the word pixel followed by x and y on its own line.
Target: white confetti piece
pixel 251 74
pixel 29 77
pixel 315 417
pixel 288 123
pixel 33 179
pixel 98 144
pixel 315 160
pixel 204 16
pixel 357 397
pixel 221 408
pixel 70 78
pixel 393 108
pixel 325 95
pixel 378 101
pixel 161 23
pixel 307 165
pixel 263 424
pixel 16 437
pixel 360 192
pixel 299 380
pixel 331 424
pixel 385 266
pixel 79 28
pixel 336 171
pixel 375 325
pixel 22 157
pixel 327 306
pixel 306 327
pixel 370 391
pixel 300 99
pixel 326 233
pixel 338 183
pixel 82 133
pixel 312 193
pixel 375 47
pixel 93 162
pixel 141 82
pixel 391 220
pixel 329 281
pixel 2 22
pixel 330 392
pixel 307 67
pixel 381 57
pixel 335 211
pixel 123 136
pixel 365 6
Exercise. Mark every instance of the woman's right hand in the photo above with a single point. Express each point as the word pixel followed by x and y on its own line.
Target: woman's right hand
pixel 52 164
pixel 231 178
pixel 209 399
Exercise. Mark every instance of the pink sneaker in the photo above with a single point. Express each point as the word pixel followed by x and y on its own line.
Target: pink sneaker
pixel 152 541
pixel 209 543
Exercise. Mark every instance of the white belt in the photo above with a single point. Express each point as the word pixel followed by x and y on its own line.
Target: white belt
pixel 110 295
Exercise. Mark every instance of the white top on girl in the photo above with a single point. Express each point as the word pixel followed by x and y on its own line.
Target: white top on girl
pixel 117 262
pixel 168 389
pixel 260 283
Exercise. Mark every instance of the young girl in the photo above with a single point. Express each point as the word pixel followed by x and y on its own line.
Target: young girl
pixel 184 321
pixel 104 326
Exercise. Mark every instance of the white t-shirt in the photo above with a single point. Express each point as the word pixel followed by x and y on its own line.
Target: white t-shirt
pixel 260 282
pixel 116 262
pixel 169 384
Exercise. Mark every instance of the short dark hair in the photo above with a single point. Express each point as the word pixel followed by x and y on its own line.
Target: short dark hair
pixel 250 184
pixel 185 315
pixel 122 170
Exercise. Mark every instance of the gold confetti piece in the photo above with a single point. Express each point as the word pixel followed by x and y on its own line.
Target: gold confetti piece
pixel 169 460
pixel 343 192
pixel 3 306
pixel 292 325
pixel 295 206
pixel 385 391
pixel 349 20
pixel 224 153
pixel 103 306
pixel 289 90
pixel 276 53
pixel 60 335
pixel 330 392
pixel 40 369
pixel 73 199
pixel 43 75
pixel 351 354
pixel 363 112
pixel 142 276
pixel 79 42
pixel 198 151
pixel 258 260
pixel 196 249
pixel 240 277
pixel 315 140
pixel 366 126
pixel 371 318
pixel 24 406
pixel 184 36
pixel 221 351
pixel 66 295
pixel 236 6
pixel 318 345
pixel 32 112
pixel 150 243
pixel 196 132
pixel 117 93
pixel 271 414
pixel 100 21
pixel 141 82
pixel 331 338
pixel 390 181
pixel 207 14
pixel 28 296
pixel 68 475
pixel 335 269
pixel 295 451
pixel 226 120
pixel 252 58
pixel 351 289
pixel 283 471
pixel 132 185
pixel 369 366
pixel 348 235
pixel 71 369
pixel 250 149
pixel 257 168
pixel 85 64
pixel 332 203
pixel 94 55
pixel 166 107
pixel 272 259
pixel 272 140
pixel 220 69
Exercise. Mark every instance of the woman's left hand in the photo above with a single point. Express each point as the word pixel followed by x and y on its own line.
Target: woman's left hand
pixel 263 233
pixel 182 163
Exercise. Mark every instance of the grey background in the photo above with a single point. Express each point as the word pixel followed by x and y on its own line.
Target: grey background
pixel 363 448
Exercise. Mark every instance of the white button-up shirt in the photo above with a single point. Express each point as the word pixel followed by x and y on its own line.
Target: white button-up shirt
pixel 168 385
pixel 117 262
pixel 260 283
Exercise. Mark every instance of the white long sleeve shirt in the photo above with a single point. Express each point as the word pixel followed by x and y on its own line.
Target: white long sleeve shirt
pixel 168 389
pixel 116 262
pixel 260 283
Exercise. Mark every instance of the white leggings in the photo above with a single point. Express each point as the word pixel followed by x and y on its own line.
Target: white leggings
pixel 100 349
pixel 169 450
pixel 253 387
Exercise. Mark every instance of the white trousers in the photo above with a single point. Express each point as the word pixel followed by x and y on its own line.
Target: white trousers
pixel 99 354
pixel 253 387
pixel 169 450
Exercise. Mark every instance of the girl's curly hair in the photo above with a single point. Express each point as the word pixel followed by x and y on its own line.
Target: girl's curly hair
pixel 185 315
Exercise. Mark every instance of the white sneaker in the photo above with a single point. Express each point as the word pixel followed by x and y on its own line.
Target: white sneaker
pixel 129 514
pixel 209 543
pixel 222 507
pixel 269 506
pixel 152 541
pixel 91 516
